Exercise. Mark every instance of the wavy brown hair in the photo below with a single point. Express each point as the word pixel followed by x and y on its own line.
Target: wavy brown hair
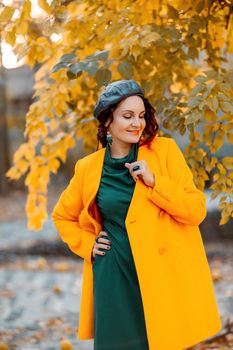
pixel 150 131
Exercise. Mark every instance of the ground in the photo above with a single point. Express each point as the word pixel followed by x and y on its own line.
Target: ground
pixel 40 284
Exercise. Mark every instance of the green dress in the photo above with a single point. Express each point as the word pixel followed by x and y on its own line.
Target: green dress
pixel 118 310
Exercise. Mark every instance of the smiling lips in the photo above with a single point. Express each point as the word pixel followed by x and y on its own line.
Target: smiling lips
pixel 135 132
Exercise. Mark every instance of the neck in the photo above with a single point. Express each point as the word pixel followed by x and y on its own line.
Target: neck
pixel 119 151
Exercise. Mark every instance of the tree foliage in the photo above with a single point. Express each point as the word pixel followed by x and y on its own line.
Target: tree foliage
pixel 177 50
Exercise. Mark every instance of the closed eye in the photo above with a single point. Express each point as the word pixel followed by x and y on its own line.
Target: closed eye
pixel 141 117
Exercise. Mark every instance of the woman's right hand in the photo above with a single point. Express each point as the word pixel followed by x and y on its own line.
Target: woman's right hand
pixel 102 243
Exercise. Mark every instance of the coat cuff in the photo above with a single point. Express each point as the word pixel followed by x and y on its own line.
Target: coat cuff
pixel 160 188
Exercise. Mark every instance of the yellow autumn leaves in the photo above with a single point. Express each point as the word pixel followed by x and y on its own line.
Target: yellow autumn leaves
pixel 176 50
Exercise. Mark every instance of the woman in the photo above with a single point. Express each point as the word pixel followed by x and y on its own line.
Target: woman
pixel 132 211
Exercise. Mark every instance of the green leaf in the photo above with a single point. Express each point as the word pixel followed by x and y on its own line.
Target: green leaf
pixel 92 67
pixel 224 88
pixel 77 67
pixel 68 57
pixel 212 103
pixel 211 74
pixel 200 79
pixel 198 88
pixel 101 55
pixel 210 87
pixel 103 76
pixel 229 76
pixel 59 66
pixel 222 97
pixel 125 69
pixel 226 107
pixel 71 75
pixel 193 117
pixel 194 102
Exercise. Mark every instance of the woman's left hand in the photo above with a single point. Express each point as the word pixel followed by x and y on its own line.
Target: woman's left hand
pixel 143 173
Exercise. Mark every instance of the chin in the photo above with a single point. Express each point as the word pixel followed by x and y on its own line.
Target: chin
pixel 133 141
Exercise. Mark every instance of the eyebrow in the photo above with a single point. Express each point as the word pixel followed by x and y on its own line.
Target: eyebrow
pixel 128 110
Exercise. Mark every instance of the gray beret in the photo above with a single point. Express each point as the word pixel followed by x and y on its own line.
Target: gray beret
pixel 115 92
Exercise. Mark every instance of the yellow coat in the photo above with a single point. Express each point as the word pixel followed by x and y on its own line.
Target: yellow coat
pixel 162 225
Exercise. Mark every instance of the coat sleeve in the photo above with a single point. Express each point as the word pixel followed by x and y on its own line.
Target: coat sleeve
pixel 65 216
pixel 177 193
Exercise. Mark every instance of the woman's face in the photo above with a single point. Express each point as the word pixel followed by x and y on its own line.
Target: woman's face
pixel 128 120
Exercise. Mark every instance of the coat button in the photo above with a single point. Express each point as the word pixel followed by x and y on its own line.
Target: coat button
pixel 162 250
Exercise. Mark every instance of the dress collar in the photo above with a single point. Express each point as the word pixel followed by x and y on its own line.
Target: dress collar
pixel 119 163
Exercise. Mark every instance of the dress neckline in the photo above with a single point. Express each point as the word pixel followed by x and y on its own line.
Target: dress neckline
pixel 119 163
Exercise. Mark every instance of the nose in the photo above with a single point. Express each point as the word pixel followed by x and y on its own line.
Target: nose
pixel 136 122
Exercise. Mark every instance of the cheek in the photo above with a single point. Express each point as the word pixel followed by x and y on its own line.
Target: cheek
pixel 123 125
pixel 120 127
pixel 143 124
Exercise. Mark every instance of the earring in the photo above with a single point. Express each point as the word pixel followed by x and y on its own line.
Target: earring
pixel 109 138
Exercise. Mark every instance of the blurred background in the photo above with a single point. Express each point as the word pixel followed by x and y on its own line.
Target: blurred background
pixel 40 279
